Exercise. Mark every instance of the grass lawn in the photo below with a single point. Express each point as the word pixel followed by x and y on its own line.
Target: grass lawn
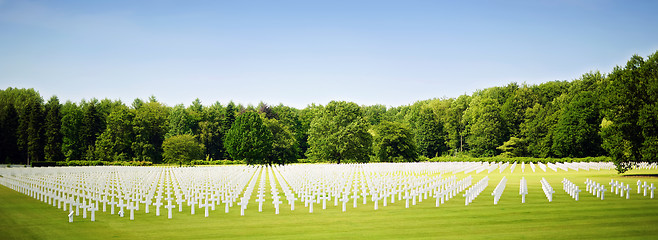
pixel 23 217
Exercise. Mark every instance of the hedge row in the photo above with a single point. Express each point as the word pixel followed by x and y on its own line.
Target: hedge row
pixel 517 159
pixel 421 159
pixel 216 162
pixel 91 163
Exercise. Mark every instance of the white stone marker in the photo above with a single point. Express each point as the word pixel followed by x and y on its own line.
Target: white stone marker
pixel 243 205
pixel 310 206
pixel 169 207
pixel 206 205
pixel 652 188
pixel 523 189
pixel 192 203
pixel 344 200
pixel 355 197
pixel 548 190
pixel 260 204
pixel 276 203
pixel 498 191
pixel 157 205
pixel 407 197
pixel 645 186
pixel 147 204
pixel 292 200
pixel 227 203
pixel 180 201
pixel 132 207
pixel 93 210
pixel 324 200
pixel 84 207
pixel 639 184
pixel 112 203
pixel 71 216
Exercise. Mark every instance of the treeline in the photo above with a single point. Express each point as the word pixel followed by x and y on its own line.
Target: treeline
pixel 596 115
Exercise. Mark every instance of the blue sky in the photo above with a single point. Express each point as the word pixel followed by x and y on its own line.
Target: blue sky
pixel 302 52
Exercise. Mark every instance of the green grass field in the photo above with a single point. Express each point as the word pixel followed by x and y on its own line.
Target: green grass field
pixel 23 217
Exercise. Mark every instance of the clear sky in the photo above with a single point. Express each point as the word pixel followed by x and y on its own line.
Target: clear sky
pixel 311 51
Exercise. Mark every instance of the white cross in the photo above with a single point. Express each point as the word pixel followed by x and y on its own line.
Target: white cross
pixel 180 201
pixel 260 204
pixel 93 210
pixel 227 203
pixel 243 205
pixel 291 201
pixel 169 207
pixel 407 197
pixel 344 200
pixel 355 197
pixel 157 205
pixel 639 184
pixel 132 208
pixel 276 203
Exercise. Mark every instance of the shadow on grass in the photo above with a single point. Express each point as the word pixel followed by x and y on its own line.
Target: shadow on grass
pixel 641 175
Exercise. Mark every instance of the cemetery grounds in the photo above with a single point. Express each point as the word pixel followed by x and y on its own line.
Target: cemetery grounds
pixel 615 217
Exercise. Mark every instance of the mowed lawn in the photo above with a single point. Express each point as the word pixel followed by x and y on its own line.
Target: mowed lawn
pixel 615 217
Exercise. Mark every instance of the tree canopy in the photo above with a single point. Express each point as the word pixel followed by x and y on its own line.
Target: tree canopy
pixel 614 115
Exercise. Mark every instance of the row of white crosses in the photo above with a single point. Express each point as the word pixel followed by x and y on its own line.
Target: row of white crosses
pixel 475 190
pixel 646 165
pixel 86 189
pixel 645 187
pixel 478 167
pixel 595 188
pixel 620 188
pixel 450 189
pixel 548 190
pixel 498 191
pixel 570 188
pixel 523 189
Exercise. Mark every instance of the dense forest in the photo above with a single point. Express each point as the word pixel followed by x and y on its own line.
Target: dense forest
pixel 611 115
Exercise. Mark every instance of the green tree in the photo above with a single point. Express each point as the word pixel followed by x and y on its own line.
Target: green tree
pixel 394 142
pixel 455 124
pixel 53 131
pixel 629 106
pixel 536 130
pixel 195 115
pixel 577 131
pixel 306 116
pixel 92 127
pixel 514 147
pixel 374 114
pixel 180 121
pixel 150 127
pixel 182 149
pixel 339 132
pixel 72 146
pixel 284 145
pixel 485 127
pixel 115 143
pixel 428 133
pixel 266 111
pixel 249 139
pixel 229 116
pixel 211 133
pixel 513 110
pixel 35 119
pixel 9 152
